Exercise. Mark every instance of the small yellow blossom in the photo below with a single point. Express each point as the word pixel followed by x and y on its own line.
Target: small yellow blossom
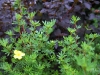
pixel 18 54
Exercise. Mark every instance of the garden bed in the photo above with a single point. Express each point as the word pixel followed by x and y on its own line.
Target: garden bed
pixel 45 37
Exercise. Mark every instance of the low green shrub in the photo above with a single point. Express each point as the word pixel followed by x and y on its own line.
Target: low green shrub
pixel 79 57
pixel 31 52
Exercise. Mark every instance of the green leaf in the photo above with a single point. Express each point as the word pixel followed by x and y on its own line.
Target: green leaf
pixel 5 66
pixel 49 24
pixel 10 32
pixel 71 30
pixel 35 23
pixel 18 16
pixel 74 19
pixel 31 15
pixel 3 42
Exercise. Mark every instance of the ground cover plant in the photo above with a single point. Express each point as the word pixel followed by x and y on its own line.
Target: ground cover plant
pixel 31 49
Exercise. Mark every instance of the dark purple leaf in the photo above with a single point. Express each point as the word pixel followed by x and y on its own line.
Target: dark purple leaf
pixel 57 32
pixel 77 8
pixel 96 2
pixel 87 5
pixel 91 16
pixel 67 6
pixel 43 11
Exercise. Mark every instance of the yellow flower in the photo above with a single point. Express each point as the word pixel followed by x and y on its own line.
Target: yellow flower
pixel 18 54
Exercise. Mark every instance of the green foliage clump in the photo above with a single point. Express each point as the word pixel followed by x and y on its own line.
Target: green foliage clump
pixel 78 57
pixel 38 50
pixel 32 52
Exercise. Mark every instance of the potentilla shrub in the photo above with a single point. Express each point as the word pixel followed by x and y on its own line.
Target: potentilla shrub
pixel 79 57
pixel 29 51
